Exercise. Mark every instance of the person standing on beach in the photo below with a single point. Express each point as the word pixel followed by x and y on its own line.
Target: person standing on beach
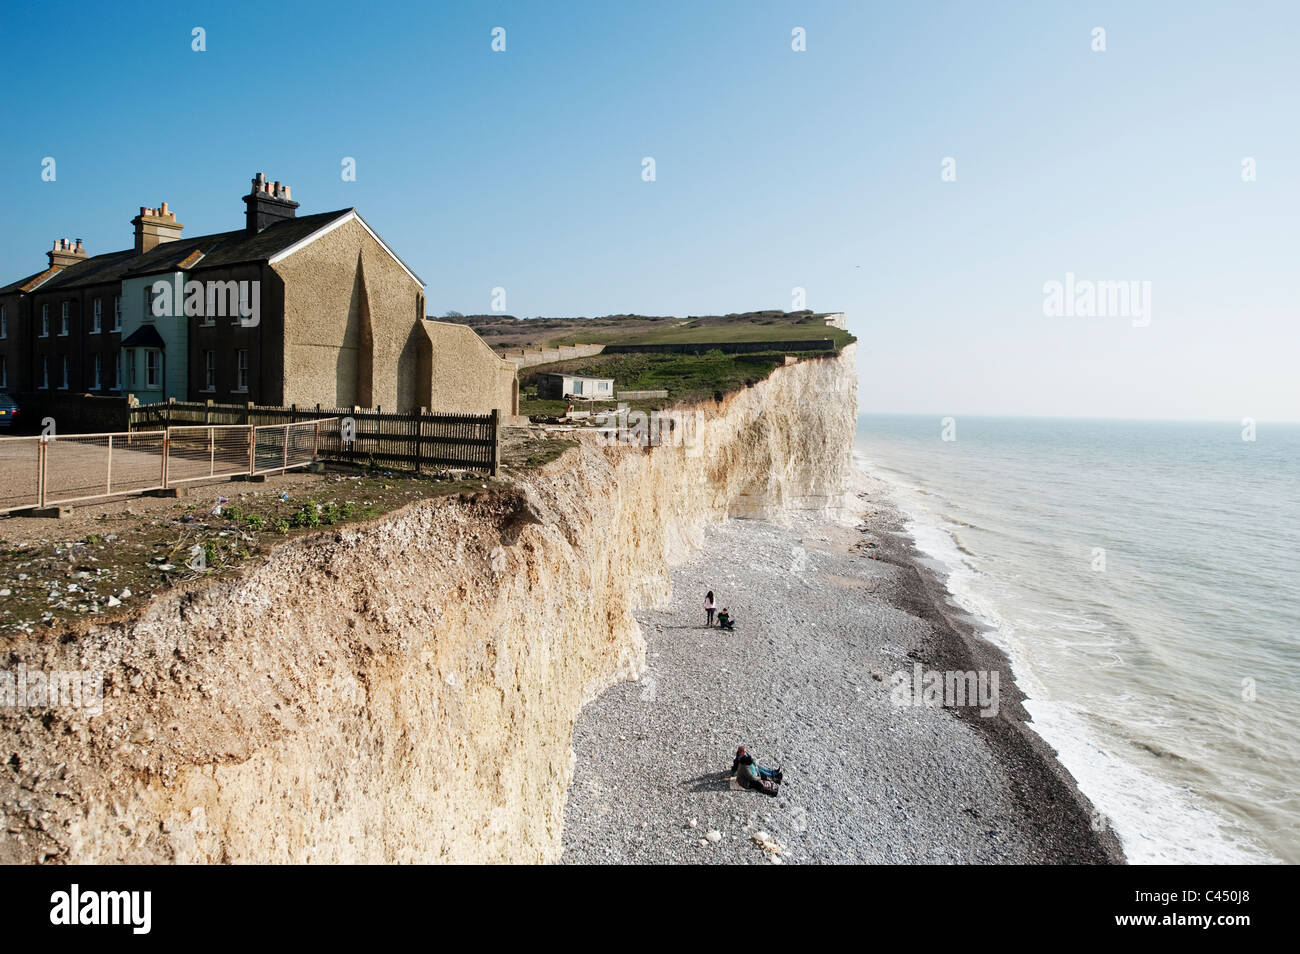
pixel 709 607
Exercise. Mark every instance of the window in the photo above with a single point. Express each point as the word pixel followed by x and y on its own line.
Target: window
pixel 117 312
pixel 148 303
pixel 210 370
pixel 242 364
pixel 4 321
pixel 64 385
pixel 153 369
pixel 577 385
pixel 117 371
pixel 45 371
pixel 97 320
pixel 63 319
pixel 245 302
pixel 4 371
pixel 45 321
pixel 130 369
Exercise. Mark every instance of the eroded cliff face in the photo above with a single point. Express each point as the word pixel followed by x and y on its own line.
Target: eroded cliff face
pixel 405 690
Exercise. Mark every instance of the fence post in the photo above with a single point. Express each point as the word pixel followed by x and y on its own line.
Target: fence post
pixel 40 472
pixel 284 463
pixel 252 450
pixel 416 447
pixel 108 480
pixel 496 441
pixel 166 449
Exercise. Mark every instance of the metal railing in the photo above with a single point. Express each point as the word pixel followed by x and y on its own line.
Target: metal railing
pixel 52 470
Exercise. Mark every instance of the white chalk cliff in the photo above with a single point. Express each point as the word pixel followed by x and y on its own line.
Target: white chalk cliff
pixel 403 690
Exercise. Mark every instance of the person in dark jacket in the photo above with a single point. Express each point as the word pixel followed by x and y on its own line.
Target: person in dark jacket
pixel 752 775
pixel 725 619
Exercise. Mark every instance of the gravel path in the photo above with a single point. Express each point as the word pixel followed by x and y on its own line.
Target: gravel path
pixel 804 682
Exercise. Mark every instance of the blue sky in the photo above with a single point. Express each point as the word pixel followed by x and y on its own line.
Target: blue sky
pixel 775 170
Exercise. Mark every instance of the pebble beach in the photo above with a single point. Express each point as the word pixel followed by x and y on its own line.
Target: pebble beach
pixel 827 613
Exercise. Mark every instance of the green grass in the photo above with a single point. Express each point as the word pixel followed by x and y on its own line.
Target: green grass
pixel 688 331
pixel 686 377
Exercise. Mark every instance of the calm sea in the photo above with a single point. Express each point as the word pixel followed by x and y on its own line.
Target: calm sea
pixel 1144 578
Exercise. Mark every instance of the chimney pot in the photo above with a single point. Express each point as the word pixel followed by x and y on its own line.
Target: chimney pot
pixel 269 202
pixel 164 208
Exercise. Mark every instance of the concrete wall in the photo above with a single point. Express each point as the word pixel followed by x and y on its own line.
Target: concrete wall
pixel 641 395
pixel 529 357
pixel 351 334
pixel 464 375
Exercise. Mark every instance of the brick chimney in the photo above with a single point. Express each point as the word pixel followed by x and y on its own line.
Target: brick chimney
pixel 65 253
pixel 153 227
pixel 267 203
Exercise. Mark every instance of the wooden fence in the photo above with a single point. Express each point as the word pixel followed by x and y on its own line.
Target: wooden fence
pixel 416 441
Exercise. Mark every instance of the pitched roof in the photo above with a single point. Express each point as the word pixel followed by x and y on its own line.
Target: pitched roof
pixel 101 268
pixel 146 336
pixel 347 216
pixel 200 251
pixel 240 247
pixel 28 283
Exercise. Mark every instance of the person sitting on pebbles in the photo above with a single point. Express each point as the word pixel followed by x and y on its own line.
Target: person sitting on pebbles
pixel 749 774
pixel 725 620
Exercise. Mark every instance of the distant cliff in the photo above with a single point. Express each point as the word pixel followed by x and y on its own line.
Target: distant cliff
pixel 403 690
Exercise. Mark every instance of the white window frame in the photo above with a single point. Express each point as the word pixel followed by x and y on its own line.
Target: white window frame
pixel 152 375
pixel 97 318
pixel 241 370
pixel 130 368
pixel 245 296
pixel 45 372
pixel 4 321
pixel 117 312
pixel 63 320
pixel 117 371
pixel 45 321
pixel 4 370
pixel 64 385
pixel 99 372
pixel 209 371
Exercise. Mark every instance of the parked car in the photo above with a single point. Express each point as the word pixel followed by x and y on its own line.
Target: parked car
pixel 9 411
